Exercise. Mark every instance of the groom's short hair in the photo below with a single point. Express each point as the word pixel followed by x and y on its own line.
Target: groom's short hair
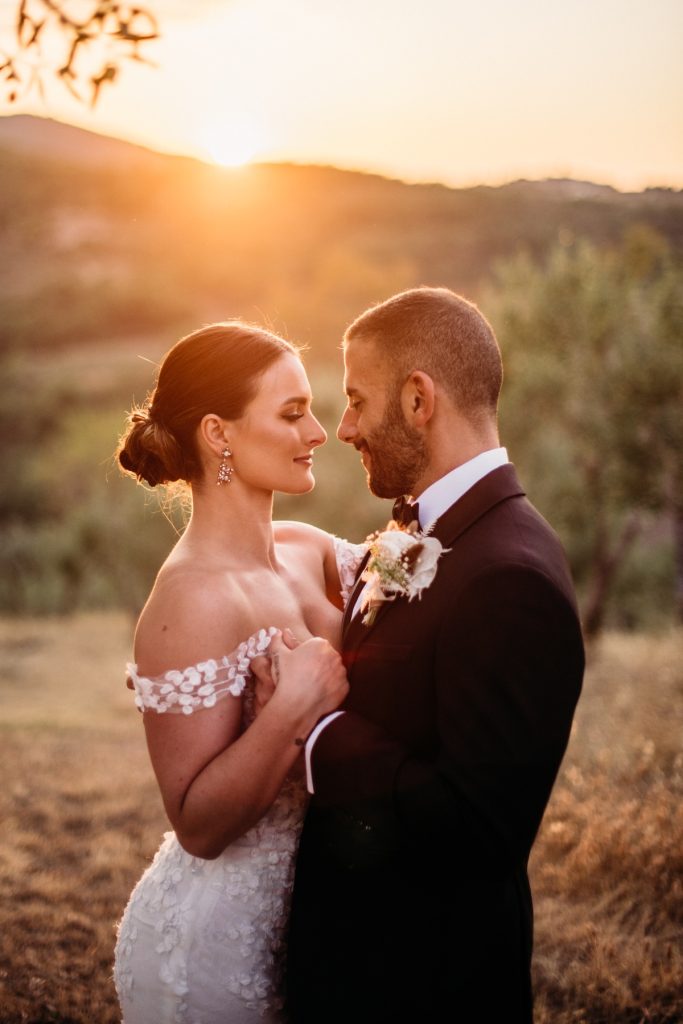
pixel 442 334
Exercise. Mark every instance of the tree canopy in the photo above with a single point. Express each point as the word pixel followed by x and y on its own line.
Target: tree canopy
pixel 594 390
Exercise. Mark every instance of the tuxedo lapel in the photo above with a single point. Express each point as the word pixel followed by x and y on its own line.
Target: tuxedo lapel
pixel 354 630
pixel 357 632
pixel 498 485
pixel 347 620
pixel 354 634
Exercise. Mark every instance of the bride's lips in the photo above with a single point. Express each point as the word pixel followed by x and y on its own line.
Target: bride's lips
pixel 305 460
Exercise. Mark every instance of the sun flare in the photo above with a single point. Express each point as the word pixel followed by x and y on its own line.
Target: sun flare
pixel 232 143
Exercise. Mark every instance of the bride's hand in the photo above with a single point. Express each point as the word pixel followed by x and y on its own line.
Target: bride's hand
pixel 262 670
pixel 310 680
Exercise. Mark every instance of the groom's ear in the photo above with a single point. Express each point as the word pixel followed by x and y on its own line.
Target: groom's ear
pixel 417 398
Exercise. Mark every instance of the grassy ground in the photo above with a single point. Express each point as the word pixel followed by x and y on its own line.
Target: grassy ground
pixel 81 817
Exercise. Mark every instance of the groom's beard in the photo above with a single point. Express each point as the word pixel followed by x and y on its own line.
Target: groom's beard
pixel 398 454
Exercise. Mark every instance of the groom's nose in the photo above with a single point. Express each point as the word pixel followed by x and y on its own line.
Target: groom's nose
pixel 347 430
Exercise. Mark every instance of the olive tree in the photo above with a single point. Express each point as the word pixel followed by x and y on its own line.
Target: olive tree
pixel 592 344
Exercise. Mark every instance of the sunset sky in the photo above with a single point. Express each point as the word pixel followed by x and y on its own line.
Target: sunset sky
pixel 464 93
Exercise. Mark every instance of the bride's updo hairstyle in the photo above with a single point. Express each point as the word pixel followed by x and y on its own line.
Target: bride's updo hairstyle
pixel 213 370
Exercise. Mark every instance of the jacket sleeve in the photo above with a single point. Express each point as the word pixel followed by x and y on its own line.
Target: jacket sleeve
pixel 508 667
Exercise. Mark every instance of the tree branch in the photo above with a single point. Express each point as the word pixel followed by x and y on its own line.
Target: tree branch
pixel 113 33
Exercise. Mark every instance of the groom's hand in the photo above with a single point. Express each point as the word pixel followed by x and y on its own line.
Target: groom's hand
pixel 264 669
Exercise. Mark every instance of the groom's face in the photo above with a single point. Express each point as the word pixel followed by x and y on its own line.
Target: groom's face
pixel 392 452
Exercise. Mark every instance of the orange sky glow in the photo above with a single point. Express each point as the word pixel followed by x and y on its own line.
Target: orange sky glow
pixel 442 91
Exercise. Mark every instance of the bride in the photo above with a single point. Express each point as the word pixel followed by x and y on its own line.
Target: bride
pixel 201 940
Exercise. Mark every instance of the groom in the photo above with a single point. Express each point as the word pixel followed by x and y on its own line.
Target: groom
pixel 411 901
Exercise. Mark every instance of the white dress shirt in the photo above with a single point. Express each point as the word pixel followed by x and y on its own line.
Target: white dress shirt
pixel 438 497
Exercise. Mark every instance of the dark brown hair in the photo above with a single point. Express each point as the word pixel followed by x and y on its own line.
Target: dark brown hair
pixel 213 370
pixel 442 334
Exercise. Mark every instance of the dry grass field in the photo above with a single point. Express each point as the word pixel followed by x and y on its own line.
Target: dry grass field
pixel 81 818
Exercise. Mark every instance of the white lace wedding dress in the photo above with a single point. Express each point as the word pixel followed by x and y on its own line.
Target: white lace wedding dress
pixel 202 941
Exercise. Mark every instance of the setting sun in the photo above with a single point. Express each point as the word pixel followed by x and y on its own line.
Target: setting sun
pixel 232 143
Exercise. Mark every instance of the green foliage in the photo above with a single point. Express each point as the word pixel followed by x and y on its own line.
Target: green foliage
pixel 591 343
pixel 306 248
pixel 75 534
pixel 111 260
pixel 645 582
pixel 27 415
pixel 67 310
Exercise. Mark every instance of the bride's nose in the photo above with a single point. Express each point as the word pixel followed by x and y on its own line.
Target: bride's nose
pixel 317 434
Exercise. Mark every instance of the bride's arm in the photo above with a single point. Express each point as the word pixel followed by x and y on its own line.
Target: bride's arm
pixel 215 782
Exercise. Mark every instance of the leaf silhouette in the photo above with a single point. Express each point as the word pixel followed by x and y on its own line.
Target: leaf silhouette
pixel 117 27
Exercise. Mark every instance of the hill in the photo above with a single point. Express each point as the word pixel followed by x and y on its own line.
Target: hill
pixel 103 238
pixel 111 252
pixel 45 137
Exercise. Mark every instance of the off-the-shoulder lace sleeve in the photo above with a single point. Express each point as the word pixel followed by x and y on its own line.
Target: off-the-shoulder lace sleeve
pixel 349 556
pixel 200 686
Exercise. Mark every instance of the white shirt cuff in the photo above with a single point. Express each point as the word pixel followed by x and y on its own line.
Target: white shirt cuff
pixel 309 745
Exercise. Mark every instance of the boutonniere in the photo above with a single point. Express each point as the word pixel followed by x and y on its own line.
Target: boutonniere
pixel 402 563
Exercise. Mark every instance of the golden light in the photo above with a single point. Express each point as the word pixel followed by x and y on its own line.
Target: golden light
pixel 232 142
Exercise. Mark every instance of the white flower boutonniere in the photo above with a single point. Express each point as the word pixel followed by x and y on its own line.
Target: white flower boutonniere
pixel 402 563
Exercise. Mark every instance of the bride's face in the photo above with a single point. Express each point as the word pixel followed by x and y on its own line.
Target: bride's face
pixel 274 441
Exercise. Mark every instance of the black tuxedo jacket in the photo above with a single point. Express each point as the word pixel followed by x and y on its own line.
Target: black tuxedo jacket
pixel 411 900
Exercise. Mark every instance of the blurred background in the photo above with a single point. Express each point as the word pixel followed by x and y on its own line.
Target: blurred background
pixel 112 252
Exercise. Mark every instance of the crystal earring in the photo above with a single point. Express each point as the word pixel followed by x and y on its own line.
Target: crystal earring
pixel 224 470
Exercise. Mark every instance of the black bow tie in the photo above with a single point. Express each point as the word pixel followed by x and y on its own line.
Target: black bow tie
pixel 406 512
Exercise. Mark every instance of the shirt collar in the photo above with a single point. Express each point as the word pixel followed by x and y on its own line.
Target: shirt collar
pixel 445 492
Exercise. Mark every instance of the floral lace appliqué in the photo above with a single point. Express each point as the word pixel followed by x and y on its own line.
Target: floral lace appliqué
pixel 200 686
pixel 349 556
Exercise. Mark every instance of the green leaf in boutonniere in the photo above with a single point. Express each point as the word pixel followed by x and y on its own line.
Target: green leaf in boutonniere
pixel 402 563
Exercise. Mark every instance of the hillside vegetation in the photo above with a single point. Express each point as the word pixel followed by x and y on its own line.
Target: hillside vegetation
pixel 112 252
pixel 103 241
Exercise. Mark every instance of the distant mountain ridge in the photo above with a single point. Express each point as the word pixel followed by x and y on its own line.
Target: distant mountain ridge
pixel 53 139
pixel 102 237
pixel 27 134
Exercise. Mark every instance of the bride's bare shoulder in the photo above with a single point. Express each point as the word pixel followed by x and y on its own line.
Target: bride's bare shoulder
pixel 315 548
pixel 192 614
pixel 290 532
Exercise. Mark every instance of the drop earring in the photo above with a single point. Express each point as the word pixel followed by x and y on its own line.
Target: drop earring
pixel 224 470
